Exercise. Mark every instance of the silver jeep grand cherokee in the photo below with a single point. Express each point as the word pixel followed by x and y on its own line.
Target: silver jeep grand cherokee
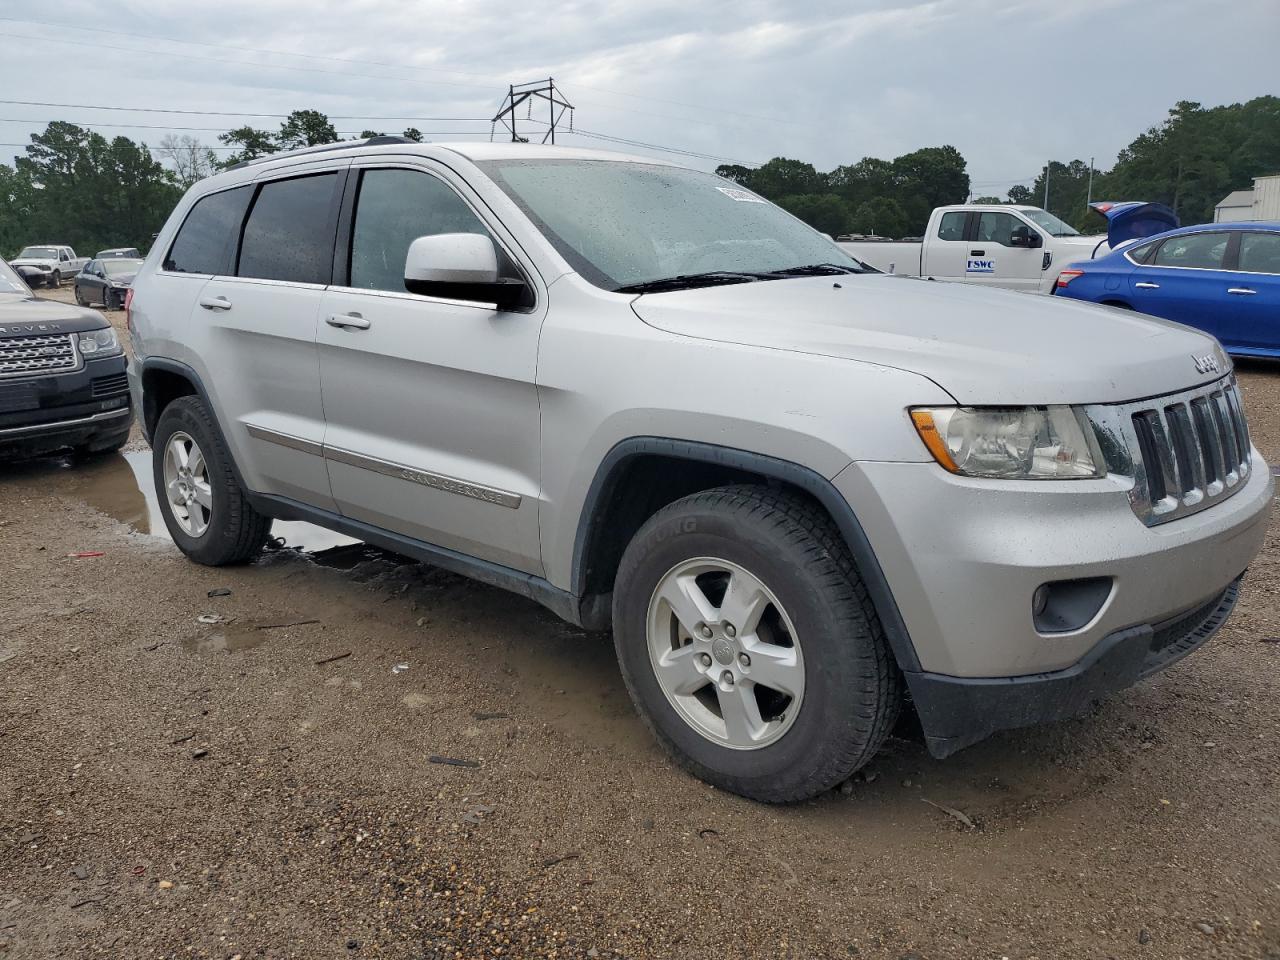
pixel 646 398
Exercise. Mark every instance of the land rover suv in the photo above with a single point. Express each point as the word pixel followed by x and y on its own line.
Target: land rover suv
pixel 62 376
pixel 794 488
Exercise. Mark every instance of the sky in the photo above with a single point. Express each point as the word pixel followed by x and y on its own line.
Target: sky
pixel 1010 83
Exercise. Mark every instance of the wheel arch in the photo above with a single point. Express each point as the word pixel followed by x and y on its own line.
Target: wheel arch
pixel 640 475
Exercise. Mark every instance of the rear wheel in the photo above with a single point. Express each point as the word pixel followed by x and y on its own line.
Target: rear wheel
pixel 206 511
pixel 750 646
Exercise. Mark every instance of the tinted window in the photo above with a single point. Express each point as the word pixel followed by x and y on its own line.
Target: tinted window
pixel 1140 253
pixel 289 234
pixel 394 208
pixel 951 227
pixel 1203 250
pixel 1260 252
pixel 206 238
pixel 997 228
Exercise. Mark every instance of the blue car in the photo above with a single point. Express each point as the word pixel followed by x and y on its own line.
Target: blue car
pixel 1223 278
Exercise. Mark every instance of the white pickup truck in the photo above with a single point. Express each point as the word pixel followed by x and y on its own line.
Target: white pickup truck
pixel 47 264
pixel 1016 247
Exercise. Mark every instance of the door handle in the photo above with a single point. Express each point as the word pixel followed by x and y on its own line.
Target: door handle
pixel 1147 286
pixel 347 321
pixel 977 253
pixel 215 303
pixel 1241 291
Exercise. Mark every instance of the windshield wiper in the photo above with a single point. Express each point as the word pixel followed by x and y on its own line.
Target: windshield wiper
pixel 687 281
pixel 815 270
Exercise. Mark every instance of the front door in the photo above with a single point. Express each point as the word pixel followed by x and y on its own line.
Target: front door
pixel 994 261
pixel 431 408
pixel 1252 295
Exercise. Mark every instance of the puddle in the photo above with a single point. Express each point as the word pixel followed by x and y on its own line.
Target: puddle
pixel 227 638
pixel 121 486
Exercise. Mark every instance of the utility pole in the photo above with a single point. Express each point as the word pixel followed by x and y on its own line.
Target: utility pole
pixel 1046 184
pixel 1089 197
pixel 526 93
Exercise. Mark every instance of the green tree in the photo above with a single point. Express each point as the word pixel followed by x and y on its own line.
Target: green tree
pixel 414 134
pixel 77 187
pixel 825 212
pixel 305 128
pixel 252 143
pixel 366 134
pixel 735 172
pixel 988 200
pixel 882 216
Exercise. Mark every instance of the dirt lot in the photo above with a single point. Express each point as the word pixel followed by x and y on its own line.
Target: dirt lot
pixel 261 787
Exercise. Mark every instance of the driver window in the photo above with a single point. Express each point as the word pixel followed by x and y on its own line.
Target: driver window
pixel 394 208
pixel 997 228
pixel 951 227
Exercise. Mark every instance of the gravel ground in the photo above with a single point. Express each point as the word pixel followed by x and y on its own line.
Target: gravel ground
pixel 262 786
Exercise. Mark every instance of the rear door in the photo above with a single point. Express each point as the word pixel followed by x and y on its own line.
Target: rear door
pixel 1185 281
pixel 994 261
pixel 946 252
pixel 1252 294
pixel 258 335
pixel 431 407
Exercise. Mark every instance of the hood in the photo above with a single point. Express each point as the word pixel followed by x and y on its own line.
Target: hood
pixel 983 346
pixel 32 262
pixel 21 315
pixel 124 279
pixel 1134 219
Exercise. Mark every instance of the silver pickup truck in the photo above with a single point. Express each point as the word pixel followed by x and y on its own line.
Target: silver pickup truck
pixel 47 265
pixel 655 403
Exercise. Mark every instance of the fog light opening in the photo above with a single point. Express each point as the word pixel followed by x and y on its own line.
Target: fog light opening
pixel 1064 606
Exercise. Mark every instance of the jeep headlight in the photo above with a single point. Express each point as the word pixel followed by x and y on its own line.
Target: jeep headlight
pixel 99 343
pixel 1012 443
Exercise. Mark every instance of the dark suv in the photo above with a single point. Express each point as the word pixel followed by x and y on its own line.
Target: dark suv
pixel 62 376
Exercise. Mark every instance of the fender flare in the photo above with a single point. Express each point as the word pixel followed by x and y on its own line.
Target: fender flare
pixel 604 482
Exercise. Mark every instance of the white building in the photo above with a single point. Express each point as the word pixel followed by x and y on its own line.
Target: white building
pixel 1260 203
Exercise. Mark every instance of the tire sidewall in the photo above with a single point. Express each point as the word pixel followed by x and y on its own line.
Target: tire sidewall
pixel 218 539
pixel 829 651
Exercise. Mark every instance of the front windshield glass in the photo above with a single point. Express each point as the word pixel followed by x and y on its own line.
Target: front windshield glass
pixel 10 282
pixel 38 253
pixel 116 268
pixel 1050 223
pixel 622 224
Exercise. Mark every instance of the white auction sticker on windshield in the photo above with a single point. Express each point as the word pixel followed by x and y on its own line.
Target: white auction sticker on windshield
pixel 742 196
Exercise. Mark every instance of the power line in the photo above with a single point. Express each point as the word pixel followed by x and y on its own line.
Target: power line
pixel 229 113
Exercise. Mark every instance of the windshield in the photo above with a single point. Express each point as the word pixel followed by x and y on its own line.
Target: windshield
pixel 1050 223
pixel 116 268
pixel 10 282
pixel 38 253
pixel 623 224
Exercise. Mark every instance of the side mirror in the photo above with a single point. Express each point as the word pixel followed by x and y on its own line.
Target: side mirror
pixel 461 266
pixel 1024 236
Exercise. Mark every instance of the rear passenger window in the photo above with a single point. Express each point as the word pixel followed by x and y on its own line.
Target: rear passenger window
pixel 393 209
pixel 1260 252
pixel 951 227
pixel 289 235
pixel 206 240
pixel 1204 251
pixel 1140 253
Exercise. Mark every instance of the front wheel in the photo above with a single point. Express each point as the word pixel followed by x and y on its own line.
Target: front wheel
pixel 55 281
pixel 80 300
pixel 206 511
pixel 750 646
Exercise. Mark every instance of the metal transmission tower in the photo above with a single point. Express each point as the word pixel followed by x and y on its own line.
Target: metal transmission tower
pixel 526 93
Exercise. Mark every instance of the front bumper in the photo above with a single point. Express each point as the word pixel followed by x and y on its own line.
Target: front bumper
pixel 956 712
pixel 963 558
pixel 89 408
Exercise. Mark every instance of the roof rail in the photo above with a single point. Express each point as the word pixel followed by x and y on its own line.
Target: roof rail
pixel 378 141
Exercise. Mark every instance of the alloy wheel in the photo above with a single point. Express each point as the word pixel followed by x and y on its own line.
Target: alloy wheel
pixel 186 482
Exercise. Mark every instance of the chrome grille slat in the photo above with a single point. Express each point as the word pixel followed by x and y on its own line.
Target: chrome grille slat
pixel 46 353
pixel 1185 451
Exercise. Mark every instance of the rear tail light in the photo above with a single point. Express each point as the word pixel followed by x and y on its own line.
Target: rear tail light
pixel 1066 276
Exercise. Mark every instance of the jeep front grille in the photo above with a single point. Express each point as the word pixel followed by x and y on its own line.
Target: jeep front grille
pixel 47 353
pixel 1185 451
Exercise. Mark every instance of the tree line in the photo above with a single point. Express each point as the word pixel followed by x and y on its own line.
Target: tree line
pixel 78 187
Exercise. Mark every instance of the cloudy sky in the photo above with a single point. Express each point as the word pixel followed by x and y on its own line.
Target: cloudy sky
pixel 1008 82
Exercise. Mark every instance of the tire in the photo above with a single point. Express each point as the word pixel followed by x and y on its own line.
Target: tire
pixel 55 281
pixel 232 531
pixel 80 300
pixel 820 634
